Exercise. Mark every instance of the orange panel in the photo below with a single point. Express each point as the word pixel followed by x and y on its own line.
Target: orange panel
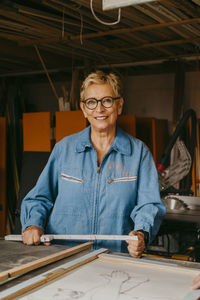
pixel 37 131
pixel 127 123
pixel 69 122
pixel 3 176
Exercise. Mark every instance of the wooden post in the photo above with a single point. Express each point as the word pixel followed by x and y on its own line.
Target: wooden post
pixel 2 176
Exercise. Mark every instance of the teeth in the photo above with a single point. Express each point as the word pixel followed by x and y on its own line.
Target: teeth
pixel 100 118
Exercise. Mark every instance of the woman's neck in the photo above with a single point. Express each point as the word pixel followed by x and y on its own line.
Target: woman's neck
pixel 102 142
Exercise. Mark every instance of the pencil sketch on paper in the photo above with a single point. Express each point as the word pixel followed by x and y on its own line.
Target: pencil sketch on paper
pixel 115 281
pixel 117 285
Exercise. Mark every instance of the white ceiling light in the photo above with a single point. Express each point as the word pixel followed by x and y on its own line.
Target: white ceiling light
pixel 110 4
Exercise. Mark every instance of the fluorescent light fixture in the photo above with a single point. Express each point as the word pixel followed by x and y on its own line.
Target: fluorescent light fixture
pixel 110 4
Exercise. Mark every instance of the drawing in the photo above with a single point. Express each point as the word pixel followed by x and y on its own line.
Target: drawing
pixel 100 280
pixel 117 283
pixel 68 294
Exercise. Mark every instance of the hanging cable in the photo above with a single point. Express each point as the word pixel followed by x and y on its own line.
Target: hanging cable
pixel 102 22
pixel 46 71
pixel 63 22
pixel 81 29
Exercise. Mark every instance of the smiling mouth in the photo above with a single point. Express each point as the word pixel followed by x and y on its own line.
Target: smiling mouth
pixel 101 118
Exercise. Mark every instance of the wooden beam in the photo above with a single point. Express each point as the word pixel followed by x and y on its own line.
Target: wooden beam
pixel 75 50
pixel 68 37
pixel 163 12
pixel 43 261
pixel 47 16
pixel 28 285
pixel 75 14
pixel 169 264
pixel 11 37
pixel 155 44
pixel 21 19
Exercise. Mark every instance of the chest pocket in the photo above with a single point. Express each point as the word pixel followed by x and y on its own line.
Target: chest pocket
pixel 122 179
pixel 123 192
pixel 70 178
pixel 71 195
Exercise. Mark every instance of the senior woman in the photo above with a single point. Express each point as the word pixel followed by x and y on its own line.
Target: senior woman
pixel 98 181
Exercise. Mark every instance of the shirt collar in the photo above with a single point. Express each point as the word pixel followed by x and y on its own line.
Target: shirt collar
pixel 121 142
pixel 84 140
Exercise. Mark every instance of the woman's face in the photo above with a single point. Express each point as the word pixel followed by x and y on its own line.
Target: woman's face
pixel 101 118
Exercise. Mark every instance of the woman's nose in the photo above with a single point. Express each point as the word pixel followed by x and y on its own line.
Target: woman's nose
pixel 100 107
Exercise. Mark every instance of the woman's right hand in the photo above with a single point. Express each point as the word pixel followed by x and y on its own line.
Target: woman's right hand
pixel 32 234
pixel 196 283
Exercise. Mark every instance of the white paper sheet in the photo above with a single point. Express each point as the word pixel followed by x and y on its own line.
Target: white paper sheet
pixel 102 280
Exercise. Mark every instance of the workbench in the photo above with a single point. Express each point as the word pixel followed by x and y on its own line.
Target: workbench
pixel 93 275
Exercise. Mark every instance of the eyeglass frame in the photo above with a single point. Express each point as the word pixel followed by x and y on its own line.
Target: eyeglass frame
pixel 100 100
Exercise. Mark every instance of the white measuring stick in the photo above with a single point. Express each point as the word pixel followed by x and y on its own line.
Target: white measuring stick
pixel 87 237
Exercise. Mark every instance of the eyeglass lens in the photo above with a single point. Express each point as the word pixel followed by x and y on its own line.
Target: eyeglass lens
pixel 107 102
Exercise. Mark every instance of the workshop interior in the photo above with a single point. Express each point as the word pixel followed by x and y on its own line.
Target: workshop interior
pixel 48 47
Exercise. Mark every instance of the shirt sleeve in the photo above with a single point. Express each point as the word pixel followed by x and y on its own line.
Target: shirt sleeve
pixel 37 204
pixel 150 210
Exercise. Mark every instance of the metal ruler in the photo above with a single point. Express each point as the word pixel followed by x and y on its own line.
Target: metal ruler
pixel 86 237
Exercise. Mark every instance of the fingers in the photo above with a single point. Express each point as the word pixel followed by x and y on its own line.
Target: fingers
pixel 47 243
pixel 134 253
pixel 135 248
pixel 196 283
pixel 31 236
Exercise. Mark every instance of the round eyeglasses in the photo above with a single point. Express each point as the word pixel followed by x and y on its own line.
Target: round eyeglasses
pixel 107 102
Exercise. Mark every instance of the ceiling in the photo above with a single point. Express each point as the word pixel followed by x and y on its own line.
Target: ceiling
pixel 63 35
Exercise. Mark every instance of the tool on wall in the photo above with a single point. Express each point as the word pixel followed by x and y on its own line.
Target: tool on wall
pixel 177 170
pixel 181 168
pixel 179 231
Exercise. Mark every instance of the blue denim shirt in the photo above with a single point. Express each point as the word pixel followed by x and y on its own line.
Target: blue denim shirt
pixel 74 196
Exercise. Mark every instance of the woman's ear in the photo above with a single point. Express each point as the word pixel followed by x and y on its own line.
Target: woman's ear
pixel 120 106
pixel 82 106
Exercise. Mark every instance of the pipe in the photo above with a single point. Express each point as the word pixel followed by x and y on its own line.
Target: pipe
pixel 120 65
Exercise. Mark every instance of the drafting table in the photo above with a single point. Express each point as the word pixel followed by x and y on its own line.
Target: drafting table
pixel 94 275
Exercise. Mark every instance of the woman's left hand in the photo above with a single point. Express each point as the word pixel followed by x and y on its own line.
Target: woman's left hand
pixel 136 247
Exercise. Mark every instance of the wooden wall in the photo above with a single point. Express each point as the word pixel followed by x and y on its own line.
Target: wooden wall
pixel 2 176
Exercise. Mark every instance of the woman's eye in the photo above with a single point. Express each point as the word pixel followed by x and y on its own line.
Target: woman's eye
pixel 91 102
pixel 107 100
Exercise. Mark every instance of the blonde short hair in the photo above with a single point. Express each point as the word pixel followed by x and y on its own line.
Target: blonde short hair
pixel 99 77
